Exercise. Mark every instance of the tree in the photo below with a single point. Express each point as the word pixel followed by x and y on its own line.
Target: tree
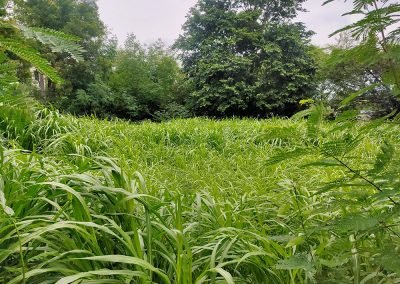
pixel 17 47
pixel 146 84
pixel 378 34
pixel 78 18
pixel 149 78
pixel 246 58
pixel 341 72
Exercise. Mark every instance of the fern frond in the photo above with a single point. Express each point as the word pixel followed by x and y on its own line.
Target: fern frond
pixel 384 158
pixel 32 56
pixel 285 155
pixel 8 74
pixel 58 42
pixel 55 33
pixel 314 122
pixel 374 21
pixel 339 148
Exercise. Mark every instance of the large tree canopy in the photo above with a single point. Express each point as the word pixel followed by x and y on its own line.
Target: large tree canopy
pixel 246 58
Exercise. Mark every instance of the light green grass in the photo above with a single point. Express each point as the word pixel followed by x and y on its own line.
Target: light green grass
pixel 191 201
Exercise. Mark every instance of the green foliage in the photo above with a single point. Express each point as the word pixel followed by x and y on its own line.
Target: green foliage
pixel 378 32
pixel 78 19
pixel 57 41
pixel 302 200
pixel 147 83
pixel 361 197
pixel 30 55
pixel 245 58
pixel 353 76
pixel 7 72
pixel 208 206
pixel 14 40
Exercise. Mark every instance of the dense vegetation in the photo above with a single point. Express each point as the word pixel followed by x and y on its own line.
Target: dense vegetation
pixel 246 58
pixel 213 200
pixel 226 50
pixel 239 58
pixel 309 199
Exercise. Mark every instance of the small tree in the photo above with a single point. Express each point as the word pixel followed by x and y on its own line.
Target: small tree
pixel 147 82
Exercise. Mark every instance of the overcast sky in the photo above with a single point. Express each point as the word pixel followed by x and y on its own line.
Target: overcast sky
pixel 153 19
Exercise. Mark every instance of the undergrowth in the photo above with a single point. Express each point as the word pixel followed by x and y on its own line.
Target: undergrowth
pixel 300 200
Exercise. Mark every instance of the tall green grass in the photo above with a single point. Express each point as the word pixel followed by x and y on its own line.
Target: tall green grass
pixel 195 201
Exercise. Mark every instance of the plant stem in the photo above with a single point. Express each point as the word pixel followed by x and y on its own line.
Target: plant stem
pixel 364 178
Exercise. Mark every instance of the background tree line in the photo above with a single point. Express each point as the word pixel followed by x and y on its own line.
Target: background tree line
pixel 234 58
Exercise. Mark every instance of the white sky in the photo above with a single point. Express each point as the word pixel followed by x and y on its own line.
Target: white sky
pixel 153 19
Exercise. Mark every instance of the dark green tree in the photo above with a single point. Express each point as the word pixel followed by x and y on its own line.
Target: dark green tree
pixel 246 58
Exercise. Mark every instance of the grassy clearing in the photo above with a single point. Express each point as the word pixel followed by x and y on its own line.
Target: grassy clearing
pixel 195 201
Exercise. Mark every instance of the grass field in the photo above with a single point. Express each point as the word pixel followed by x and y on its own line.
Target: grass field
pixel 197 200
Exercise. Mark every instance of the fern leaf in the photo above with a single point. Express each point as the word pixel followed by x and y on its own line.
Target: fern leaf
pixel 287 155
pixel 314 122
pixel 295 262
pixel 341 147
pixel 383 159
pixel 57 41
pixel 30 55
pixel 356 223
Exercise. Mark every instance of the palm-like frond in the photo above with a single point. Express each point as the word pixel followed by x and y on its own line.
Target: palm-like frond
pixel 30 55
pixel 58 42
pixel 14 40
pixel 7 72
pixel 376 21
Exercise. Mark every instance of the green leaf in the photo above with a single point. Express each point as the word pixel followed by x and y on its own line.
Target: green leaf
pixel 384 157
pixel 36 272
pixel 287 155
pixel 355 95
pixel 3 204
pixel 390 260
pixel 130 260
pixel 31 56
pixel 296 241
pixel 227 276
pixel 357 223
pixel 104 272
pixel 295 262
pixel 56 40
